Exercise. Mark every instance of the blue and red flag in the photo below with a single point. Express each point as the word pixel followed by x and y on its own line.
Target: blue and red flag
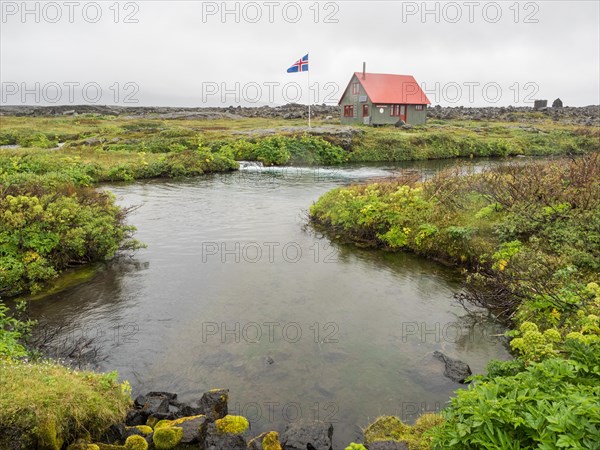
pixel 299 66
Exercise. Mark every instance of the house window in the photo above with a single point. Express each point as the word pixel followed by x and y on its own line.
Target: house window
pixel 397 110
pixel 348 111
pixel 418 107
pixel 365 110
pixel 355 89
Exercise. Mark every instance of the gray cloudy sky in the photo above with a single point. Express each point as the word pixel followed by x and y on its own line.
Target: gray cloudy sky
pixel 186 53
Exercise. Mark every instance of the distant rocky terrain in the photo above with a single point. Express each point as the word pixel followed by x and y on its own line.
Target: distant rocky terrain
pixel 586 115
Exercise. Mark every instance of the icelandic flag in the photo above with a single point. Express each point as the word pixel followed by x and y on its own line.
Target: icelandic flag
pixel 299 66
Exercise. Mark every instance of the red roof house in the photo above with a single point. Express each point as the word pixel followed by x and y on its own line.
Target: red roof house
pixel 378 99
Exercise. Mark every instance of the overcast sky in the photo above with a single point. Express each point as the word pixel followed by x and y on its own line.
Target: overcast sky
pixel 186 53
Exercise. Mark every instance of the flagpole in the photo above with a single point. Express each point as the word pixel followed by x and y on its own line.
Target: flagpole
pixel 309 96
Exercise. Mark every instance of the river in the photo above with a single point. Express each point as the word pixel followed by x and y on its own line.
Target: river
pixel 235 291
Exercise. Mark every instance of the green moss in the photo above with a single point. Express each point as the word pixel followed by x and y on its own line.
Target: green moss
pixel 145 429
pixel 82 445
pixel 386 428
pixel 163 423
pixel 136 443
pixel 390 428
pixel 152 421
pixel 167 437
pixel 47 436
pixel 271 441
pixel 355 446
pixel 232 424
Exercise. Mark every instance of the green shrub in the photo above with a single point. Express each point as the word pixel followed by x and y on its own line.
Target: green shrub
pixel 41 235
pixel 550 404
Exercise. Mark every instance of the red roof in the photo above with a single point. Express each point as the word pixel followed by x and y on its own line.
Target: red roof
pixel 387 88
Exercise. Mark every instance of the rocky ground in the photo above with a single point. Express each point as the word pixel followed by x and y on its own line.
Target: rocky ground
pixel 586 115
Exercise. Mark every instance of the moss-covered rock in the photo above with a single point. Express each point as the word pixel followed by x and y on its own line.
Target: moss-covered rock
pixel 82 445
pixel 166 438
pixel 386 428
pixel 136 443
pixel 214 403
pixel 268 440
pixel 216 440
pixel 144 429
pixel 390 428
pixel 232 424
pixel 152 421
pixel 271 441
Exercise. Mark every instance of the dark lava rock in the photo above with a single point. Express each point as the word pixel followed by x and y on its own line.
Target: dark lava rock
pixel 169 395
pixel 165 416
pixel 187 410
pixel 132 432
pixel 139 401
pixel 304 434
pixel 156 405
pixel 256 443
pixel 194 430
pixel 114 434
pixel 455 370
pixel 213 403
pixel 387 445
pixel 557 103
pixel 400 123
pixel 217 441
pixel 135 417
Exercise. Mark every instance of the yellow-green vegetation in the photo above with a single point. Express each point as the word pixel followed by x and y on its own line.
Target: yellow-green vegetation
pixel 43 233
pixel 166 438
pixel 172 423
pixel 271 441
pixel 528 237
pixel 390 428
pixel 44 405
pixel 355 446
pixel 81 444
pixel 232 424
pixel 136 443
pixel 457 138
pixel 144 429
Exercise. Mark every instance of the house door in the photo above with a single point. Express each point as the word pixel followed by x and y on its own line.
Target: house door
pixel 403 112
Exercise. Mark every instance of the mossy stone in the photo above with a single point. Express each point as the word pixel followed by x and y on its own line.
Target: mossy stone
pixel 166 438
pixel 232 424
pixel 136 443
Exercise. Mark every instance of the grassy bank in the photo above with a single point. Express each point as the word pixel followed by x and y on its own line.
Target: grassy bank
pixel 124 148
pixel 43 404
pixel 528 237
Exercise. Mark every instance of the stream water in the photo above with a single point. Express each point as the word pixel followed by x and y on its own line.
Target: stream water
pixel 235 291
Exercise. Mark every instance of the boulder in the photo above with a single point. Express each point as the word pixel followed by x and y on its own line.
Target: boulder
pixel 156 405
pixel 304 434
pixel 114 434
pixel 223 441
pixel 539 104
pixel 557 103
pixel 194 429
pixel 455 369
pixel 213 404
